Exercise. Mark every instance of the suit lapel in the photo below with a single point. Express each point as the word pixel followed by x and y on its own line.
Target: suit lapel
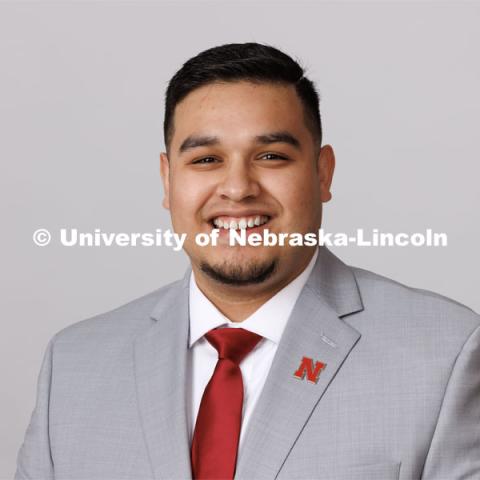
pixel 160 371
pixel 315 330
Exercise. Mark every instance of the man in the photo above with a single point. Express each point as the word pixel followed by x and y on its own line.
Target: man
pixel 262 362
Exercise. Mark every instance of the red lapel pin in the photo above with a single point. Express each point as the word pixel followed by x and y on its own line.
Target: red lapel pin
pixel 311 371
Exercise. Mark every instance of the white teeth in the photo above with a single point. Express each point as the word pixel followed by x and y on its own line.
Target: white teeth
pixel 242 223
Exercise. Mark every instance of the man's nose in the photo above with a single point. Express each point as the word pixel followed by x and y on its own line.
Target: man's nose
pixel 238 182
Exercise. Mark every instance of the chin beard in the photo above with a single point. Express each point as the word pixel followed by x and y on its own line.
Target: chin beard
pixel 240 274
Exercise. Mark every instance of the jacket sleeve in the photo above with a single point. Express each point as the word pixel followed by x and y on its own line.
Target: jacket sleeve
pixel 34 460
pixel 455 448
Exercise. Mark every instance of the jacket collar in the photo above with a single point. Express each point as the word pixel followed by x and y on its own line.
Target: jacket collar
pixel 315 330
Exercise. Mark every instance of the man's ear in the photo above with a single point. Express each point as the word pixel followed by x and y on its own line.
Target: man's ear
pixel 165 174
pixel 325 167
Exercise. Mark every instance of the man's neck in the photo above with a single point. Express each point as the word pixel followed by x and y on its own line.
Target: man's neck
pixel 236 308
pixel 238 303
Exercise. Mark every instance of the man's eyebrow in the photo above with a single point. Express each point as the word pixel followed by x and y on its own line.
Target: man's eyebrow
pixel 279 137
pixel 194 141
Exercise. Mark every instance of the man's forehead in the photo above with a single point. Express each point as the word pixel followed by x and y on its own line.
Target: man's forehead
pixel 240 95
pixel 228 88
pixel 239 115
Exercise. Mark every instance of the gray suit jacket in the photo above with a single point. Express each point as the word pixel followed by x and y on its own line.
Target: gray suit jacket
pixel 399 397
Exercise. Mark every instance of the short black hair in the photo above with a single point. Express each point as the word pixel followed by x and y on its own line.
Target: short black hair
pixel 250 61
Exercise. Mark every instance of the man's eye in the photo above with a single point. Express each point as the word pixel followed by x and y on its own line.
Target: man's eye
pixel 204 160
pixel 267 156
pixel 274 156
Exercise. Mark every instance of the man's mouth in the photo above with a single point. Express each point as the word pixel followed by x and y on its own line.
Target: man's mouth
pixel 239 223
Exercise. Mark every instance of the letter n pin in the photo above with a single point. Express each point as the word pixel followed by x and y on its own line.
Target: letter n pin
pixel 309 369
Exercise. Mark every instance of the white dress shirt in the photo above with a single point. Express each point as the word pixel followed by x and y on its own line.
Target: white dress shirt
pixel 268 321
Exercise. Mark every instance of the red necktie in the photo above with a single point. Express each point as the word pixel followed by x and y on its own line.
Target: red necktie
pixel 217 430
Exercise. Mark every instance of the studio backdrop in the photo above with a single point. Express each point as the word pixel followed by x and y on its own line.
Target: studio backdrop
pixel 81 101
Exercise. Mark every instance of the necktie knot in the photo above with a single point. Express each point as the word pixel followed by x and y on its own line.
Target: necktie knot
pixel 233 343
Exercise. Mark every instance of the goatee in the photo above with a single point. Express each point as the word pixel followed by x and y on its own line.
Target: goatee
pixel 239 275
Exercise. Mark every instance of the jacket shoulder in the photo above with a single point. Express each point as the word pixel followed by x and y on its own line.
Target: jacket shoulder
pixel 415 304
pixel 123 321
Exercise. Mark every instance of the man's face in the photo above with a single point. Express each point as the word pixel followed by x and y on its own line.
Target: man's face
pixel 242 153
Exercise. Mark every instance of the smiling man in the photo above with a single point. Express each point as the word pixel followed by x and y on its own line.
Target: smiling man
pixel 244 155
pixel 263 361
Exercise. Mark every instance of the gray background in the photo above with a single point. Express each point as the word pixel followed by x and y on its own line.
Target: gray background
pixel 81 101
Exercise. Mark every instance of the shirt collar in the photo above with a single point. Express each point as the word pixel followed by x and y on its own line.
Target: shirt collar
pixel 204 316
